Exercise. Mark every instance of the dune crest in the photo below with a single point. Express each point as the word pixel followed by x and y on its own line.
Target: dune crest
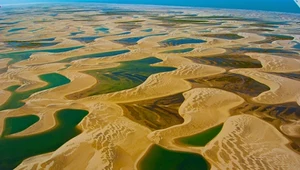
pixel 250 143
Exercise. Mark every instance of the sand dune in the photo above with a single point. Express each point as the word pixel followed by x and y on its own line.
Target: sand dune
pixel 282 90
pixel 246 142
pixel 94 150
pixel 202 109
pixel 278 64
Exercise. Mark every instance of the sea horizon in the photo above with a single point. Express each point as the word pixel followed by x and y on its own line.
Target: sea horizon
pixel 290 6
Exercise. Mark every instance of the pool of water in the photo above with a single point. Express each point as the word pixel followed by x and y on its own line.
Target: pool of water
pixel 17 124
pixel 180 41
pixel 159 113
pixel 228 61
pixel 264 50
pixel 297 46
pixel 201 139
pixel 243 85
pixel 159 158
pixel 273 37
pixel 224 36
pixel 134 40
pixel 76 33
pixel 15 100
pixel 87 39
pixel 29 44
pixel 23 55
pixel 124 33
pixel 16 29
pixel 129 41
pixel 101 29
pixel 128 75
pixel 184 50
pixel 148 30
pixel 13 150
pixel 96 55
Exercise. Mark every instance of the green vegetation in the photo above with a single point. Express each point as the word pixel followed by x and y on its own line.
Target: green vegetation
pixel 128 75
pixel 224 36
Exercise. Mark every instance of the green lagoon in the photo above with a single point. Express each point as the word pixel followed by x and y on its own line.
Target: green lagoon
pixel 159 158
pixel 23 55
pixel 15 100
pixel 128 75
pixel 17 124
pixel 201 139
pixel 13 150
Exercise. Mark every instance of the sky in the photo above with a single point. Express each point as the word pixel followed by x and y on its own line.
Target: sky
pixel 268 5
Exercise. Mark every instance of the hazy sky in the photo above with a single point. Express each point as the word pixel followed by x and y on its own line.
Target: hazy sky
pixel 270 5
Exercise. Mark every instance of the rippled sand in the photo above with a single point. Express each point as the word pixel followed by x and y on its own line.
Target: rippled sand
pixel 235 45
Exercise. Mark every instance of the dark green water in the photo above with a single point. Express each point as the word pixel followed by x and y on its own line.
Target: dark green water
pixel 264 50
pixel 17 124
pixel 96 55
pixel 180 41
pixel 15 149
pixel 86 39
pixel 128 75
pixel 16 29
pixel 185 50
pixel 201 139
pixel 15 100
pixel 23 55
pixel 224 36
pixel 159 158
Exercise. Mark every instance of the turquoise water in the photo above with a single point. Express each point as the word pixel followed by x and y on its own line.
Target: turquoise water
pixel 23 55
pixel 201 139
pixel 267 5
pixel 159 158
pixel 124 33
pixel 102 29
pixel 96 55
pixel 35 30
pixel 180 41
pixel 76 33
pixel 16 29
pixel 86 39
pixel 13 150
pixel 134 40
pixel 17 124
pixel 15 100
pixel 185 50
pixel 148 30
pixel 129 41
pixel 297 46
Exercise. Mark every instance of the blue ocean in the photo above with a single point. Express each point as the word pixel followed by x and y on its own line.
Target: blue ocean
pixel 266 5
